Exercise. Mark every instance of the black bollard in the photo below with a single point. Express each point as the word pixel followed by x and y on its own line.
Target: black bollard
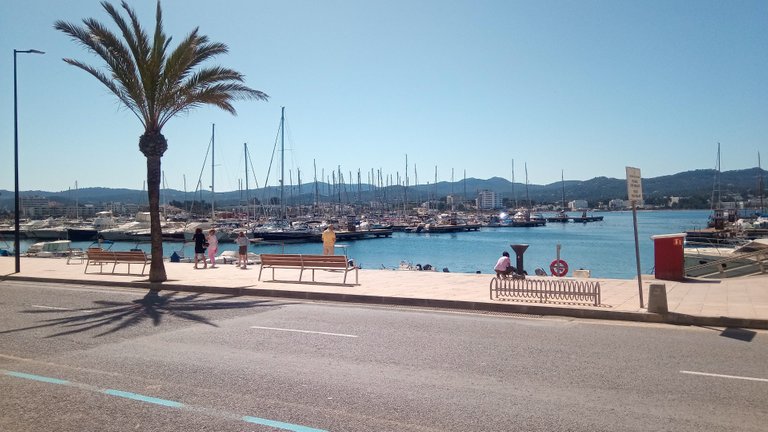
pixel 519 251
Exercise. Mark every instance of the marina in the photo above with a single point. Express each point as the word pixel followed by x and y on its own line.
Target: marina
pixel 605 248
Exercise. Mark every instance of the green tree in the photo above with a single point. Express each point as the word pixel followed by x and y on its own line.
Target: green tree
pixel 156 83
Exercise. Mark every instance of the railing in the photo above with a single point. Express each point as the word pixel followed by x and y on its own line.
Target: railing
pixel 546 289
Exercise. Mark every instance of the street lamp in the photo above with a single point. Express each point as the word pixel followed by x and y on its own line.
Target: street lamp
pixel 16 245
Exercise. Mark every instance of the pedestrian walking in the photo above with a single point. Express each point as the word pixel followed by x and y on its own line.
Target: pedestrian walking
pixel 199 239
pixel 213 246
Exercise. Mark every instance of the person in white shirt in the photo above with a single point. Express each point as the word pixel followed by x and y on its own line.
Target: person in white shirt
pixel 242 250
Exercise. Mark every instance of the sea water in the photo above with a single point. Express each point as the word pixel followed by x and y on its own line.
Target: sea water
pixel 605 248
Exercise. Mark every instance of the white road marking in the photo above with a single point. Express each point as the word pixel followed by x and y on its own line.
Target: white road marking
pixel 304 331
pixel 51 307
pixel 725 376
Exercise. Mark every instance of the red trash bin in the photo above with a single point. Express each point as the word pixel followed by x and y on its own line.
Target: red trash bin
pixel 669 262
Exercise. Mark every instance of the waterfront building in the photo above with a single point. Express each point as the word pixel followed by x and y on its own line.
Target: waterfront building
pixel 488 200
pixel 35 207
pixel 617 204
pixel 578 205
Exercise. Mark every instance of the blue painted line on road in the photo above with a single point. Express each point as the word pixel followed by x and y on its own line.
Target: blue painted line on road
pixel 281 425
pixel 142 398
pixel 37 378
pixel 158 401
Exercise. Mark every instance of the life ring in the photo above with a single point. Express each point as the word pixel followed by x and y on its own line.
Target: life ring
pixel 558 268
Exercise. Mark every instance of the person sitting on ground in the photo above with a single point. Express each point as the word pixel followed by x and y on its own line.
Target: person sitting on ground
pixel 504 266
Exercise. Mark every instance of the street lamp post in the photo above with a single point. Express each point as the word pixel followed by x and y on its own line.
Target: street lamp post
pixel 16 242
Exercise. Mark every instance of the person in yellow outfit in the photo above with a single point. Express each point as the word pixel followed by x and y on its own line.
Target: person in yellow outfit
pixel 329 239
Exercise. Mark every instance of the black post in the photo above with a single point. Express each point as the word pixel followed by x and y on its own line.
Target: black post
pixel 16 242
pixel 16 233
pixel 519 251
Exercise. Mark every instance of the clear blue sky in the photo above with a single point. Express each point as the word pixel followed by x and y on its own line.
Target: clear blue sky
pixel 588 87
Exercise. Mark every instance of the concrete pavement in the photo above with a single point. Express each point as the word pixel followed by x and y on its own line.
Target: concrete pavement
pixel 737 302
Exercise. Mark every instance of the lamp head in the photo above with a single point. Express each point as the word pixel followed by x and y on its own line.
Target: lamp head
pixel 29 51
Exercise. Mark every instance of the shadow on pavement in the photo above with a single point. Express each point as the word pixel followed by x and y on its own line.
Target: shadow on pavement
pixel 739 334
pixel 115 316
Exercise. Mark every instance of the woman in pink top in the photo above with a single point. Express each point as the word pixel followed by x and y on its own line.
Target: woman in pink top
pixel 213 246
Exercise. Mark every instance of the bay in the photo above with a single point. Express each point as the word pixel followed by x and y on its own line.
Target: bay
pixel 605 248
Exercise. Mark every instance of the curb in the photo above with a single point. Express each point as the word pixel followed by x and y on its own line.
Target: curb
pixel 529 309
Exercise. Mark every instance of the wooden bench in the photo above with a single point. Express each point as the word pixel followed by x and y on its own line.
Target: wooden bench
pixel 101 257
pixel 307 262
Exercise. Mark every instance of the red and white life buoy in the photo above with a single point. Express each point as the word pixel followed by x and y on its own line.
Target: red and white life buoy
pixel 558 268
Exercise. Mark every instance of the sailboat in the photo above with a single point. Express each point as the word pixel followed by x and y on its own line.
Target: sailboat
pixel 561 216
pixel 523 218
pixel 281 230
pixel 223 235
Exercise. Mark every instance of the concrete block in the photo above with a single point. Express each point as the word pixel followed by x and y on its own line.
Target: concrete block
pixel 581 273
pixel 657 299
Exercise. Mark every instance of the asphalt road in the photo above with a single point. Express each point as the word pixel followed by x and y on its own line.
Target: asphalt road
pixel 75 358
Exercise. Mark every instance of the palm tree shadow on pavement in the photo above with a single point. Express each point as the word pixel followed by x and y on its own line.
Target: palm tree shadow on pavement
pixel 116 316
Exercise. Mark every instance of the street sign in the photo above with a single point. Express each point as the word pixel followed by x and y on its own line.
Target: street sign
pixel 635 193
pixel 634 185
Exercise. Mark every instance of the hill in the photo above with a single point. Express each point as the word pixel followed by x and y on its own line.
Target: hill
pixel 697 184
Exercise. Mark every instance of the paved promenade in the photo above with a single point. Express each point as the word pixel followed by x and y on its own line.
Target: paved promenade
pixel 739 302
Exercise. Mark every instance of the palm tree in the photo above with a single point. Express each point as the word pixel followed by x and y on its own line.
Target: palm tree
pixel 156 83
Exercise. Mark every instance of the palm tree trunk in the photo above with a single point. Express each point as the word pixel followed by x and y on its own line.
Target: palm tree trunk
pixel 153 145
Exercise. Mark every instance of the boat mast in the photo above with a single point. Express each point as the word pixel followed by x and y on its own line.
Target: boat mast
pixel 527 195
pixel 760 185
pixel 716 188
pixel 437 200
pixel 184 180
pixel 451 181
pixel 247 203
pixel 282 161
pixel 213 190
pixel 405 185
pixel 514 195
pixel 562 181
pixel 465 185
pixel 298 180
pixel 163 194
pixel 317 191
pixel 416 184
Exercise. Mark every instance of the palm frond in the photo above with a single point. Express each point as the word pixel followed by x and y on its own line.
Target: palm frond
pixel 156 83
pixel 110 84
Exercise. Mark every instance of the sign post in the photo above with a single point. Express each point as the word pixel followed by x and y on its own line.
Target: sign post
pixel 635 194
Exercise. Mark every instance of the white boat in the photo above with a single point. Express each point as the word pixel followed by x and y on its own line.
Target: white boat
pixel 726 261
pixel 223 234
pixel 124 232
pixel 54 248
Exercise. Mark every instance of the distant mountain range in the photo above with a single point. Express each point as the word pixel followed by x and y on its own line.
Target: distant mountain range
pixel 697 184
